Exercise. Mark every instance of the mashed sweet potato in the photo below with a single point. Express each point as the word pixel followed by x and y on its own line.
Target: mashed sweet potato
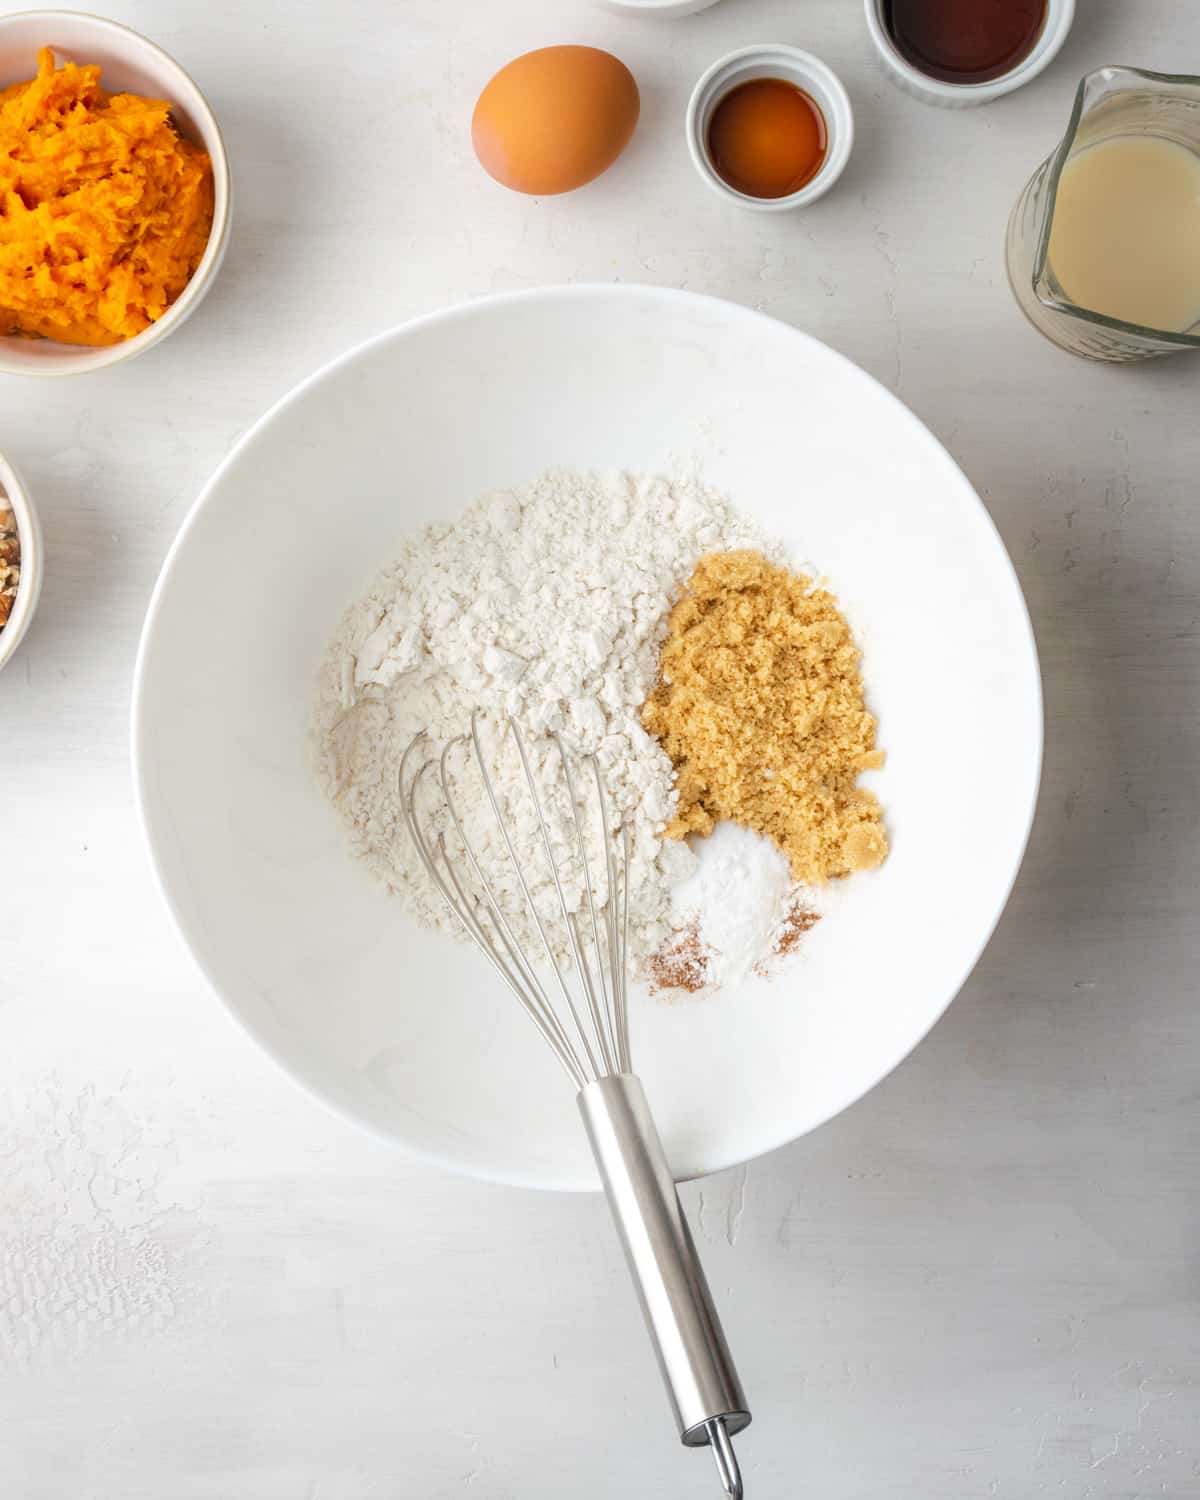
pixel 104 209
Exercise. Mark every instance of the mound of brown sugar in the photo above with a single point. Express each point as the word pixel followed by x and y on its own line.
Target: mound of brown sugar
pixel 760 707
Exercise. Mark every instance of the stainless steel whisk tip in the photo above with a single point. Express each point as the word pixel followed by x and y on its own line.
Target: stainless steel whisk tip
pixel 726 1459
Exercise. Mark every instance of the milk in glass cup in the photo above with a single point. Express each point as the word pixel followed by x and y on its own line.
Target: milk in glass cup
pixel 1103 246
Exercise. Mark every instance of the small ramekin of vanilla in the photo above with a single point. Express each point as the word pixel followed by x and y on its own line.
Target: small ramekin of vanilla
pixel 770 128
pixel 114 194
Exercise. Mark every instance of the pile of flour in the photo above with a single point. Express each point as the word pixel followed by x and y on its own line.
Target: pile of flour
pixel 547 604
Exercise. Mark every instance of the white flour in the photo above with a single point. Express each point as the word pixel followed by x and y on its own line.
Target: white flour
pixel 548 604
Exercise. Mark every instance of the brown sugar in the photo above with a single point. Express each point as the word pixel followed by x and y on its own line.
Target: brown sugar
pixel 760 706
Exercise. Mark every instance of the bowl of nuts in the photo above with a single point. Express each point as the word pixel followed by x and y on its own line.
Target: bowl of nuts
pixel 20 561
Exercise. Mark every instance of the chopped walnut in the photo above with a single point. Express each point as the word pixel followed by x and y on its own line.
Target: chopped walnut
pixel 10 563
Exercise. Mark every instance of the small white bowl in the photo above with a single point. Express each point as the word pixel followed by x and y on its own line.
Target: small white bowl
pixel 658 8
pixel 16 498
pixel 129 63
pixel 1059 16
pixel 807 72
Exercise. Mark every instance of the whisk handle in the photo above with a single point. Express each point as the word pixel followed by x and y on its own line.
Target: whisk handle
pixel 696 1365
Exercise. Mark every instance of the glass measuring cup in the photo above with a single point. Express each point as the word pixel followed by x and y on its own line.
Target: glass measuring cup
pixel 1111 101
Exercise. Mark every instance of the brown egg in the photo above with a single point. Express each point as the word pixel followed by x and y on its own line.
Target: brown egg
pixel 555 118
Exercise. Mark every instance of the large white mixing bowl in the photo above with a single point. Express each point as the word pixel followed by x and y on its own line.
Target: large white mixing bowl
pixel 408 1033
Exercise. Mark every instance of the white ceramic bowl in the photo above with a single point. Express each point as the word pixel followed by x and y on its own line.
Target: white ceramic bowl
pixel 809 73
pixel 660 9
pixel 129 63
pixel 16 497
pixel 1059 16
pixel 409 1033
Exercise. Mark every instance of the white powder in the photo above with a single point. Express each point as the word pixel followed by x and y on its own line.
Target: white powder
pixel 738 900
pixel 547 604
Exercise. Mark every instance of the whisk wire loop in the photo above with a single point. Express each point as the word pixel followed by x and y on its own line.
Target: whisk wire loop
pixel 538 1003
pixel 522 983
pixel 569 918
pixel 595 1042
pixel 607 1052
pixel 622 989
pixel 591 1070
pixel 519 977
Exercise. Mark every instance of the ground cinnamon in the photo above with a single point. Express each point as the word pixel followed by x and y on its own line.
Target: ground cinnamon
pixel 797 920
pixel 682 963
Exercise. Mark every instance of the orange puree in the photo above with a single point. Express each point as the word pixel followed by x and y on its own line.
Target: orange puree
pixel 104 210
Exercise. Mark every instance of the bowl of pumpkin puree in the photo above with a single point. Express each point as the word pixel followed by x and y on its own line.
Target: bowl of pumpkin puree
pixel 114 194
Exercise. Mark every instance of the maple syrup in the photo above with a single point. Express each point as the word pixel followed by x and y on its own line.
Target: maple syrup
pixel 964 41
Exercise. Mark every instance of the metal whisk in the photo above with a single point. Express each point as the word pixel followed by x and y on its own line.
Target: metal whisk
pixel 587 1029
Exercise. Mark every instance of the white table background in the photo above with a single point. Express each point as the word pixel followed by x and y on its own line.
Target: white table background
pixel 981 1281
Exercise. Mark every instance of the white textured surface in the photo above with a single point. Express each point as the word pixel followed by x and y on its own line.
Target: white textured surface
pixel 981 1280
